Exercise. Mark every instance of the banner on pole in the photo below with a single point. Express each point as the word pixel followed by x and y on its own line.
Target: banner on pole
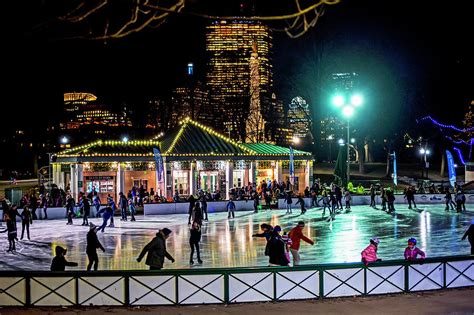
pixel 292 166
pixel 395 179
pixel 451 169
pixel 158 163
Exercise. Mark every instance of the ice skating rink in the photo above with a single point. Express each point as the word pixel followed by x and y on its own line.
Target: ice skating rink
pixel 229 243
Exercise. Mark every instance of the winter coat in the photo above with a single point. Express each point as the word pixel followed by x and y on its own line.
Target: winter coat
pixel 469 234
pixel 411 254
pixel 26 217
pixel 276 251
pixel 156 250
pixel 92 242
pixel 195 236
pixel 296 235
pixel 59 263
pixel 370 253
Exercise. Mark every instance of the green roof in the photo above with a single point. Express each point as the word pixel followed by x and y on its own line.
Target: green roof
pixel 191 138
pixel 266 148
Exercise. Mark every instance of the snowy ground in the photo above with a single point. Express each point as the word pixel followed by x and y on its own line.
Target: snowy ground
pixel 229 243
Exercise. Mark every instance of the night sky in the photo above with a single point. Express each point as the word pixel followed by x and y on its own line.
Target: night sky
pixel 413 57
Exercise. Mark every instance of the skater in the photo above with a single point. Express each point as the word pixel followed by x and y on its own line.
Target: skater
pixel 372 195
pixel 230 209
pixel 276 249
pixel 96 202
pixel 108 213
pixel 204 206
pixel 69 209
pixel 347 199
pixel 459 196
pixel 390 200
pixel 123 202
pixel 267 230
pixel 255 203
pixel 287 240
pixel 59 263
pixel 86 210
pixel 26 220
pixel 33 205
pixel 326 202
pixel 470 236
pixel 332 210
pixel 296 235
pixel 411 252
pixel 156 250
pixel 383 196
pixel 369 254
pixel 197 214
pixel 289 201
pixel 301 202
pixel 192 203
pixel 92 245
pixel 131 207
pixel 194 239
pixel 44 205
pixel 449 199
pixel 11 230
pixel 410 197
pixel 338 194
pixel 113 206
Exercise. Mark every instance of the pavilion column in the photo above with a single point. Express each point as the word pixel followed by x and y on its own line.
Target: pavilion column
pixel 77 180
pixel 252 172
pixel 308 174
pixel 120 181
pixel 169 181
pixel 191 178
pixel 278 171
pixel 229 178
pixel 163 179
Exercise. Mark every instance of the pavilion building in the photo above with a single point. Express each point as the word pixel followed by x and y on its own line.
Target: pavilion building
pixel 190 158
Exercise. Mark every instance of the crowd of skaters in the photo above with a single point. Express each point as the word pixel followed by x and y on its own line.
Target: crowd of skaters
pixel 279 247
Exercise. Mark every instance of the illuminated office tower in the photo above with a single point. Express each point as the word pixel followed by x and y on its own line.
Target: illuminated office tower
pixel 229 45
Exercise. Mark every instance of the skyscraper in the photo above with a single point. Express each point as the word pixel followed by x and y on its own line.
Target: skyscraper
pixel 299 118
pixel 230 45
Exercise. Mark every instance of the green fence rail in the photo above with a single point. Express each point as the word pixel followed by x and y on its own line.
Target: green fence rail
pixel 231 285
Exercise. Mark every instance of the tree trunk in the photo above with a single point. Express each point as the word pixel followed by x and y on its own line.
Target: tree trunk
pixel 361 160
pixel 443 164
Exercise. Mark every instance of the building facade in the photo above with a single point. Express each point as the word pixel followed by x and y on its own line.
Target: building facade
pixel 193 157
pixel 230 45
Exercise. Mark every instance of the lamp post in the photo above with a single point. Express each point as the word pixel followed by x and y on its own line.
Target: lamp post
pixel 424 152
pixel 329 139
pixel 348 111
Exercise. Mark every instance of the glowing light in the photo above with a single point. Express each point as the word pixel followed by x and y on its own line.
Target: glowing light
pixel 340 141
pixel 125 139
pixel 353 140
pixel 460 155
pixel 64 140
pixel 356 100
pixel 422 151
pixel 348 111
pixel 338 100
pixel 296 140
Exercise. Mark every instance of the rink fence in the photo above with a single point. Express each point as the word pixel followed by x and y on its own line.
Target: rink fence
pixel 231 285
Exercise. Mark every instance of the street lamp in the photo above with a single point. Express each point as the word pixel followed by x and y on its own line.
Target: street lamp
pixel 425 152
pixel 125 139
pixel 64 140
pixel 348 109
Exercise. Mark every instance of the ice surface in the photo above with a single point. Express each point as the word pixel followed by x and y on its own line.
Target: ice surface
pixel 229 243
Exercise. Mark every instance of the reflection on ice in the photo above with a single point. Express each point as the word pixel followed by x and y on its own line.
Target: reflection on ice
pixel 229 243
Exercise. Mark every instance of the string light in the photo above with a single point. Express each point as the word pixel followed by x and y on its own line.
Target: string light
pixel 460 155
pixel 446 126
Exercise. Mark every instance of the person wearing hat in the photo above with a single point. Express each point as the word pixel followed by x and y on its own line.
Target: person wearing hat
pixel 470 236
pixel 369 254
pixel 92 245
pixel 59 263
pixel 412 252
pixel 156 250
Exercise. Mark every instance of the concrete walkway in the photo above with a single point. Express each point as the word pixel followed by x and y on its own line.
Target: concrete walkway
pixel 455 301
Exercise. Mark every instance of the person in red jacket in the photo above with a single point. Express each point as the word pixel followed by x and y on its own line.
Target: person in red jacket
pixel 296 235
